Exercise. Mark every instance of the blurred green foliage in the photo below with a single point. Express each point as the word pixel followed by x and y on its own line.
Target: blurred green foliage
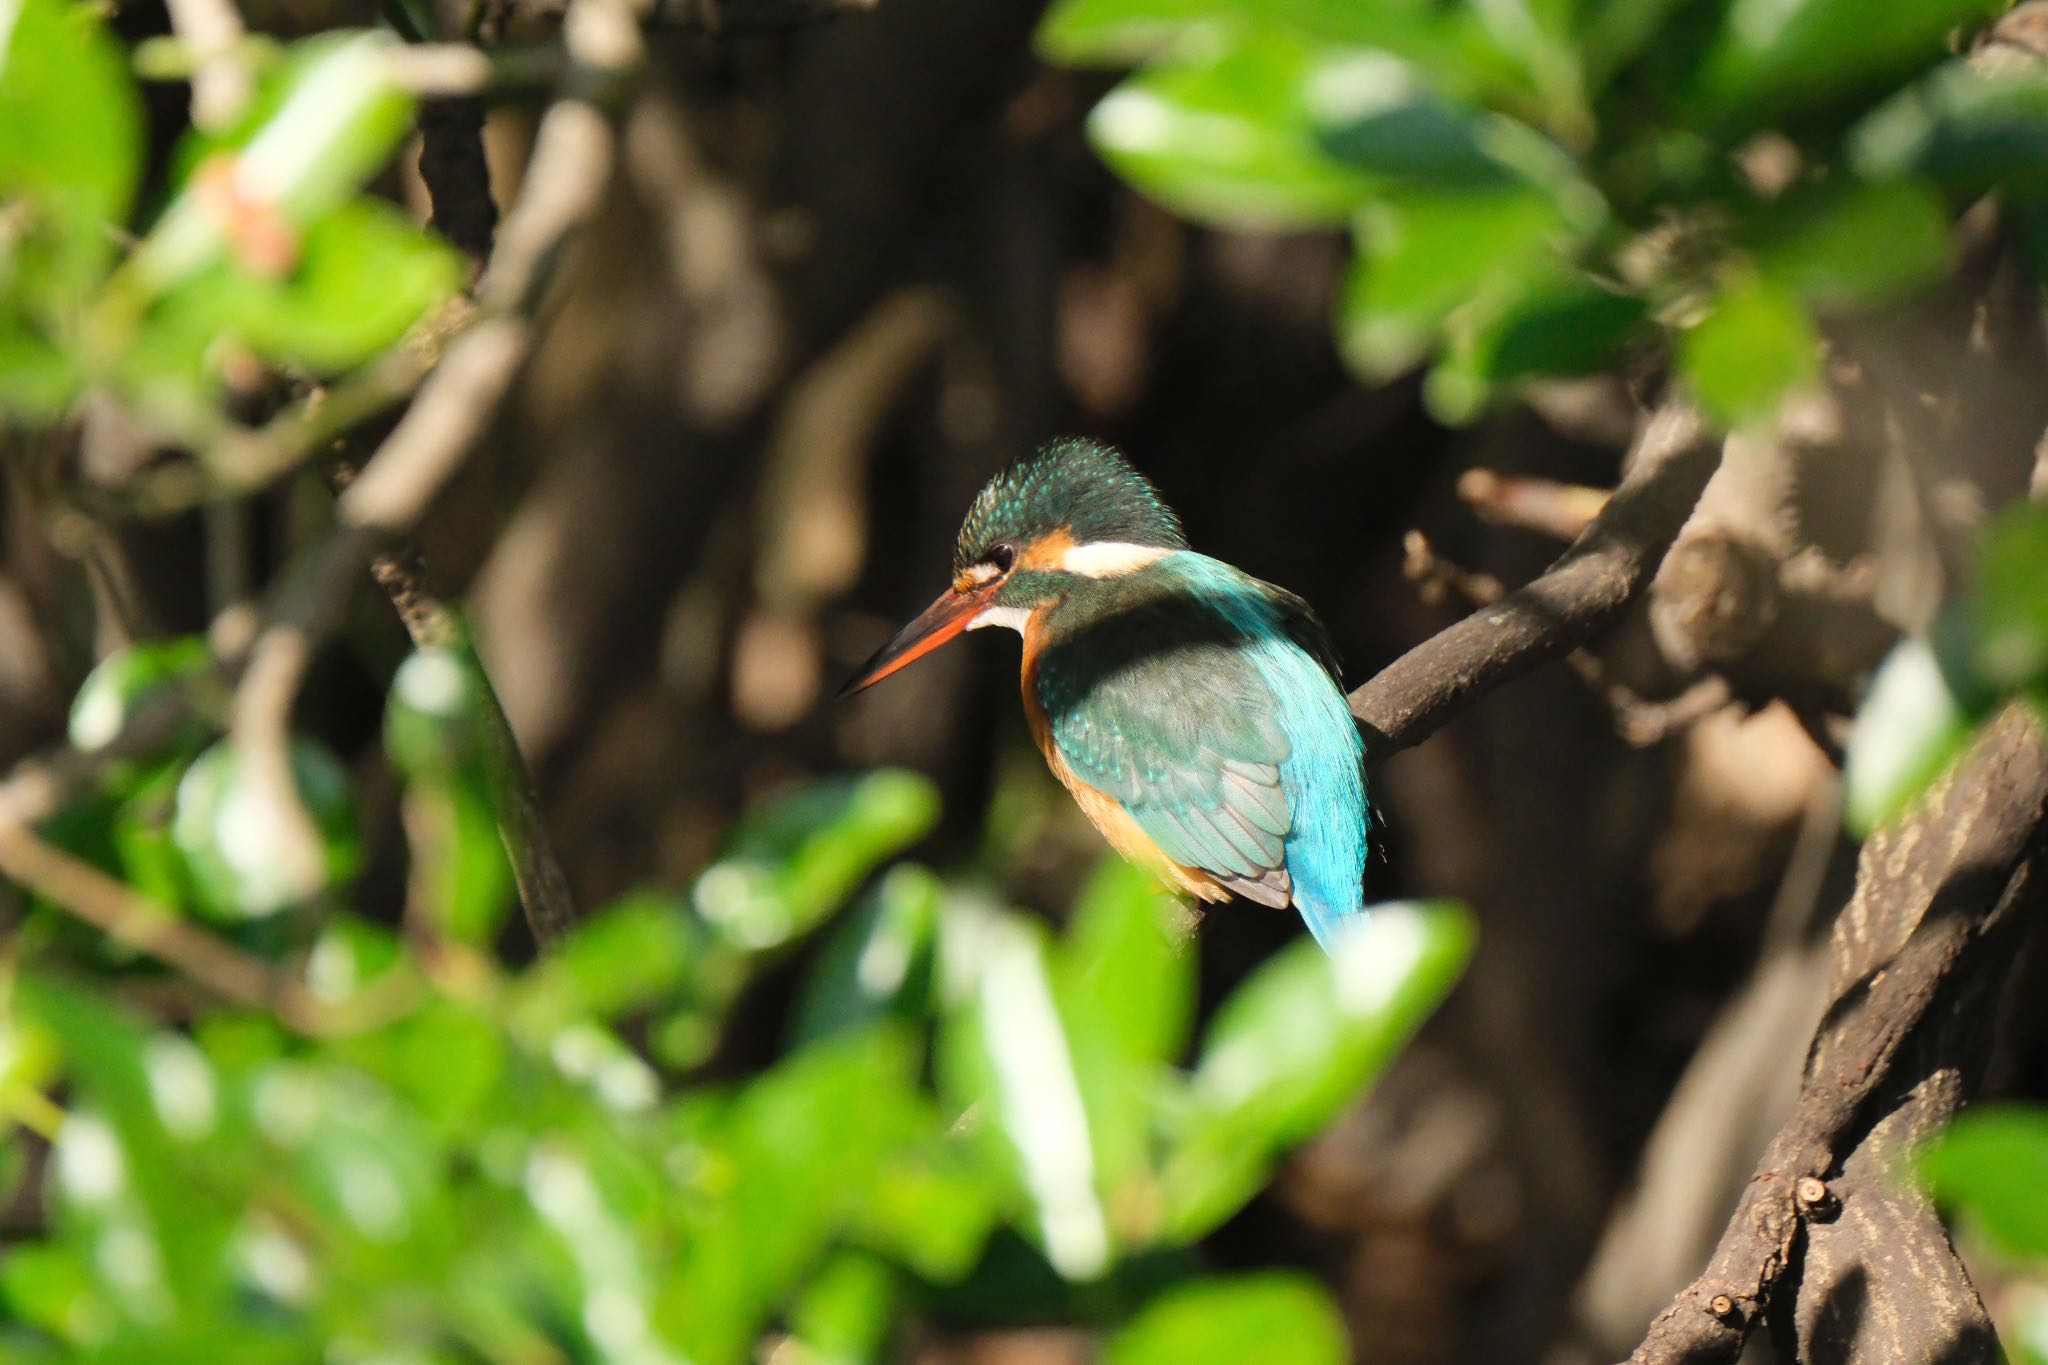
pixel 480 1163
pixel 1930 697
pixel 265 256
pixel 1990 1169
pixel 1559 187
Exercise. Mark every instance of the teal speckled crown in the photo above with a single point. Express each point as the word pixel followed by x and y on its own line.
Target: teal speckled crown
pixel 1075 483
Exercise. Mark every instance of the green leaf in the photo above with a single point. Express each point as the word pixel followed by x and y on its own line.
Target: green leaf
pixel 1006 1057
pixel 1377 114
pixel 460 863
pixel 879 960
pixel 1128 955
pixel 230 830
pixel 1299 1041
pixel 844 1314
pixel 131 679
pixel 38 381
pixel 1967 130
pixel 364 275
pixel 795 1182
pixel 1270 1319
pixel 930 1206
pixel 1422 255
pixel 1549 325
pixel 333 116
pixel 639 951
pixel 73 146
pixel 2010 609
pixel 1854 244
pixel 1231 137
pixel 147 1117
pixel 1119 32
pixel 50 1287
pixel 1992 1165
pixel 1123 982
pixel 1755 345
pixel 798 858
pixel 1907 731
pixel 1772 58
pixel 432 728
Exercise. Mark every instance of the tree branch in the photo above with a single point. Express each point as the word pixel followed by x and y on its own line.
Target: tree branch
pixel 1919 956
pixel 1585 591
pixel 572 162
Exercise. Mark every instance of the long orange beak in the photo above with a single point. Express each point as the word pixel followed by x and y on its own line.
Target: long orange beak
pixel 941 621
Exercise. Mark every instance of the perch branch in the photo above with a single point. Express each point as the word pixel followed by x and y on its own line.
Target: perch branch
pixel 1920 951
pixel 1605 569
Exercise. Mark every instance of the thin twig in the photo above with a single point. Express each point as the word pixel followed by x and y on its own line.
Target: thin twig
pixel 1637 719
pixel 455 406
pixel 1559 510
pixel 1585 591
pixel 125 915
pixel 212 32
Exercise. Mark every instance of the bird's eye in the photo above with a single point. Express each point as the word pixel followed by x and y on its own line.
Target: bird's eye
pixel 1002 556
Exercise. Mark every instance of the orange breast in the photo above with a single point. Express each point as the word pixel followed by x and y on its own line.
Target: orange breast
pixel 1104 811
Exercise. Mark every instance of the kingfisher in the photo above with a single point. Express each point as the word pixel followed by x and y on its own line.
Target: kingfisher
pixel 1196 714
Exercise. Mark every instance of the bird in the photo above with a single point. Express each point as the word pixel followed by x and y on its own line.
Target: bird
pixel 1196 713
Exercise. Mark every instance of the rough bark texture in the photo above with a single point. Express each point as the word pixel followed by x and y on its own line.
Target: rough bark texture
pixel 1584 592
pixel 1848 1263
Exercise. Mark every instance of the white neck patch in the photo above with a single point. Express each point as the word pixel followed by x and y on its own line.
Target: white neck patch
pixel 1016 618
pixel 1109 558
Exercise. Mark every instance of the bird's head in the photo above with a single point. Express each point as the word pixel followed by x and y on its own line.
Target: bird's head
pixel 1075 511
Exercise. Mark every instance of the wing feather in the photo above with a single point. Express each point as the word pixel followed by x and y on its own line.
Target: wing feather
pixel 1156 704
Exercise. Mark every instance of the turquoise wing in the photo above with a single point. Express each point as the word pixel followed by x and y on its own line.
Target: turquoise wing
pixel 1161 702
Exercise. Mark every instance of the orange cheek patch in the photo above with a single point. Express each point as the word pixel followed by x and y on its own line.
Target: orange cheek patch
pixel 1049 551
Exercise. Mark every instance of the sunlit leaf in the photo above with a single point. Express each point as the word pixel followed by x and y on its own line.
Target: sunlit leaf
pixel 231 829
pixel 1007 1059
pixel 930 1206
pixel 1992 1166
pixel 125 1156
pixel 1754 346
pixel 844 1313
pixel 1129 954
pixel 1908 729
pixel 796 859
pixel 879 958
pixel 73 143
pixel 633 954
pixel 51 1287
pixel 1119 32
pixel 795 1181
pixel 130 679
pixel 1297 1042
pixel 431 721
pixel 1232 138
pixel 363 275
pixel 1422 255
pixel 334 117
pixel 1273 1319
